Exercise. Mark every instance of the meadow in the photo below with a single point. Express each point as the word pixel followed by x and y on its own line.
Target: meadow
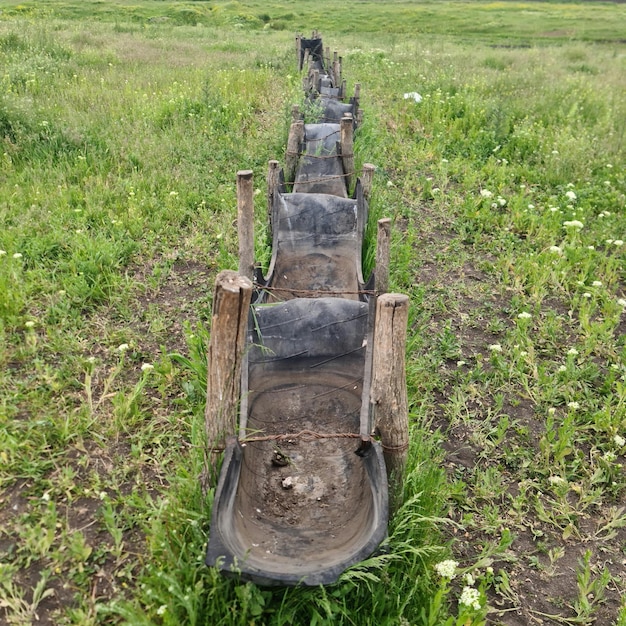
pixel 122 126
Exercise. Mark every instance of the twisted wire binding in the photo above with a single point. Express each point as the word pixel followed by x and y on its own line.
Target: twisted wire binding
pixel 367 292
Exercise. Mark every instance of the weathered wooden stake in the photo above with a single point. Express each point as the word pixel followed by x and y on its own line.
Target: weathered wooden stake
pixel 273 175
pixel 245 222
pixel 296 137
pixel 347 148
pixel 389 394
pixel 383 245
pixel 295 113
pixel 315 80
pixel 299 51
pixel 231 303
pixel 367 179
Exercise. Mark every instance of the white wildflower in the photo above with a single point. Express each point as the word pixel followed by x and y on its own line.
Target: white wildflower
pixel 470 597
pixel 556 480
pixel 501 201
pixel 446 569
pixel 619 441
pixel 3 252
pixel 531 206
pixel 572 352
pixel 570 195
pixel 17 255
pixel 29 324
pixel 146 367
pixel 621 302
pixel 495 347
pixel 555 250
pixel 485 193
pixel 123 347
pixel 618 243
pixel 413 95
pixel 586 295
pixel 596 283
pixel 573 224
pixel 551 411
pixel 524 315
pixel 554 209
pixel 573 405
pixel 609 241
pixel 161 610
pixel 562 368
pixel 609 456
pixel 591 247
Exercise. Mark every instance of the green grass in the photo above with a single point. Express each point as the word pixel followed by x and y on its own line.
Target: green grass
pixel 121 135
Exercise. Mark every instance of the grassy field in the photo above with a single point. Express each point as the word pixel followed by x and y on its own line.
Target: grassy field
pixel 122 126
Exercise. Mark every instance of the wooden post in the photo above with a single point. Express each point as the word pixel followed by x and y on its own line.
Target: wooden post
pixel 273 174
pixel 245 222
pixel 389 394
pixel 347 148
pixel 367 179
pixel 295 113
pixel 383 246
pixel 296 137
pixel 336 78
pixel 357 94
pixel 315 80
pixel 299 51
pixel 342 89
pixel 231 303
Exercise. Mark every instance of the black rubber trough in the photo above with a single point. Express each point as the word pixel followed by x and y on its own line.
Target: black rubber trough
pixel 302 494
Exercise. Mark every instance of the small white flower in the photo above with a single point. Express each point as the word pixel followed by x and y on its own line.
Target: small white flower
pixel 618 243
pixel 173 194
pixel 586 295
pixel 555 250
pixel 555 151
pixel 413 95
pixel 29 324
pixel 91 359
pixel 61 292
pixel 495 347
pixel 469 579
pixel 123 347
pixel 17 255
pixel 523 353
pixel 3 252
pixel 102 495
pixel 470 597
pixel 570 195
pixel 573 224
pixel 562 368
pixel 591 247
pixel 609 456
pixel 596 283
pixel 551 411
pixel 161 610
pixel 390 183
pixel 501 201
pixel 573 405
pixel 435 190
pixel 609 241
pixel 621 302
pixel 444 161
pixel 619 441
pixel 446 569
pixel 554 209
pixel 460 363
pixel 609 165
pixel 556 480
pixel 485 193
pixel 46 497
pixel 524 315
pixel 146 367
pixel 572 352
pixel 531 206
